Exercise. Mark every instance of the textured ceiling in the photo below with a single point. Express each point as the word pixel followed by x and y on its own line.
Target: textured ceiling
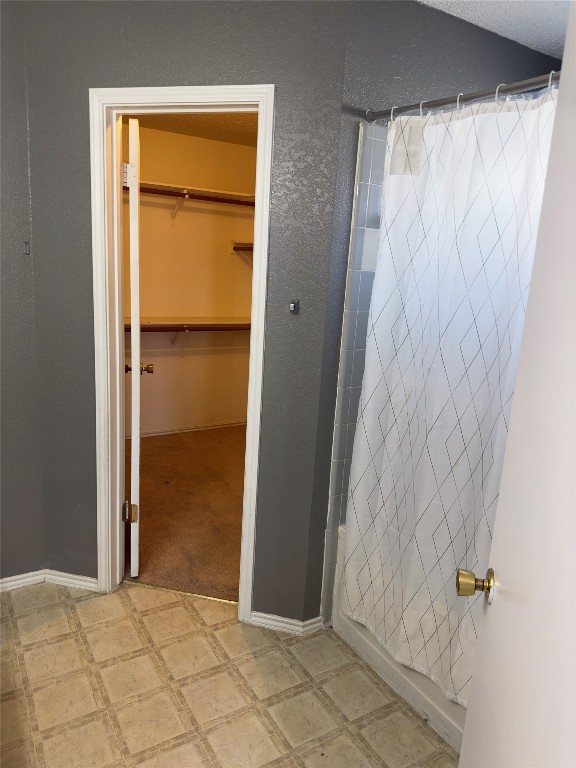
pixel 233 127
pixel 538 24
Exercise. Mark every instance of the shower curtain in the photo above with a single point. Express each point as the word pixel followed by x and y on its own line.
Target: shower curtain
pixel 462 198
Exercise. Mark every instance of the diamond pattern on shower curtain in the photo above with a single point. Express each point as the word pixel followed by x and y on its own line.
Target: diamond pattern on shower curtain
pixel 456 248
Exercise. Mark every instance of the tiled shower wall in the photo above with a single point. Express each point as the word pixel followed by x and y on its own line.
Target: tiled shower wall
pixel 364 235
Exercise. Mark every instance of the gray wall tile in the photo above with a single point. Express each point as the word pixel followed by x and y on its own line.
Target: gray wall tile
pixel 346 368
pixel 357 248
pixel 361 203
pixel 339 444
pixel 365 167
pixel 358 367
pixel 346 475
pixel 334 507
pixel 364 298
pixel 353 404
pixel 353 289
pixel 374 206
pixel 342 405
pixel 349 329
pixel 336 476
pixel 370 241
pixel 361 329
pixel 377 163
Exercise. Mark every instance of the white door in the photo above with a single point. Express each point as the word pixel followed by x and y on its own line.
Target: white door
pixel 133 184
pixel 522 709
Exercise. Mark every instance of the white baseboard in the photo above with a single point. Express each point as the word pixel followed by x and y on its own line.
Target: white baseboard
pixel 281 624
pixel 444 716
pixel 54 577
pixel 22 580
pixel 71 580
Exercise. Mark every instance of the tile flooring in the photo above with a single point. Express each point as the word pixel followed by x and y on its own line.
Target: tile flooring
pixel 149 678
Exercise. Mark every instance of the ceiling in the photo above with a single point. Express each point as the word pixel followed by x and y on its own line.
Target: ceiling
pixel 537 24
pixel 233 127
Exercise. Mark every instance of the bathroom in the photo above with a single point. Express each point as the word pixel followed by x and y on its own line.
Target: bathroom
pixel 329 62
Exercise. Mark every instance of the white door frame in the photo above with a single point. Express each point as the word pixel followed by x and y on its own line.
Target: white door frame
pixel 107 105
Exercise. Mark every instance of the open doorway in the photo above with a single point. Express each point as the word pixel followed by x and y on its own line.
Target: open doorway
pixel 196 231
pixel 108 106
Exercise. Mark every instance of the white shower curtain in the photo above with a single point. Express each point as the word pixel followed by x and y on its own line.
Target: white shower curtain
pixel 462 198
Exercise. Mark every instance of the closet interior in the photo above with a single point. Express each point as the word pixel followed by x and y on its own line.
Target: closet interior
pixel 197 186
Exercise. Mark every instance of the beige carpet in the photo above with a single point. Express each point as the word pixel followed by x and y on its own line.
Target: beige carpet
pixel 191 486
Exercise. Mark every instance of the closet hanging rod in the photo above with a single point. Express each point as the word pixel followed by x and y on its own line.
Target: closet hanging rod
pixel 506 89
pixel 243 247
pixel 194 195
pixel 175 325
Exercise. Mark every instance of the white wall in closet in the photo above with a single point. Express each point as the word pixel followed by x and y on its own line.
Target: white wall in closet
pixel 187 270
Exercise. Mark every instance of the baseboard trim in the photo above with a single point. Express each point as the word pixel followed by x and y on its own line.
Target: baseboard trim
pixel 71 580
pixel 22 580
pixel 282 624
pixel 53 577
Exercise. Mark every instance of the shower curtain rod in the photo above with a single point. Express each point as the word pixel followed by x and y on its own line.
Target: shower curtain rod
pixel 523 86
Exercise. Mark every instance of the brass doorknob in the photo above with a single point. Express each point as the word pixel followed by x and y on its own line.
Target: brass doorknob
pixel 467 584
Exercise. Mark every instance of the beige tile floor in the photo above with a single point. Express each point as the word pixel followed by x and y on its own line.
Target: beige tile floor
pixel 149 678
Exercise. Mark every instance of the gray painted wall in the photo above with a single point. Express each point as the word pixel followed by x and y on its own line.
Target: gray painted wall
pixel 74 46
pixel 21 489
pixel 314 53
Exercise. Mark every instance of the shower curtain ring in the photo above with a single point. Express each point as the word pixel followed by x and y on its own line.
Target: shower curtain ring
pixel 497 89
pixel 392 113
pixel 421 115
pixel 458 100
pixel 550 79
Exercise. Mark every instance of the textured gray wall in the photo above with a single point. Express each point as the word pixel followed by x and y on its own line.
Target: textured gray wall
pixel 397 53
pixel 301 47
pixel 21 496
pixel 74 46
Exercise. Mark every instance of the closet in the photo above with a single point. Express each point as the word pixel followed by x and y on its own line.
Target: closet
pixel 196 222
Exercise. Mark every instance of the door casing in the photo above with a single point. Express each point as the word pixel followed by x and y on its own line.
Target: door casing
pixel 107 106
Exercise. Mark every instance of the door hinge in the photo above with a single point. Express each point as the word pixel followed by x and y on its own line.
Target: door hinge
pixel 129 512
pixel 129 175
